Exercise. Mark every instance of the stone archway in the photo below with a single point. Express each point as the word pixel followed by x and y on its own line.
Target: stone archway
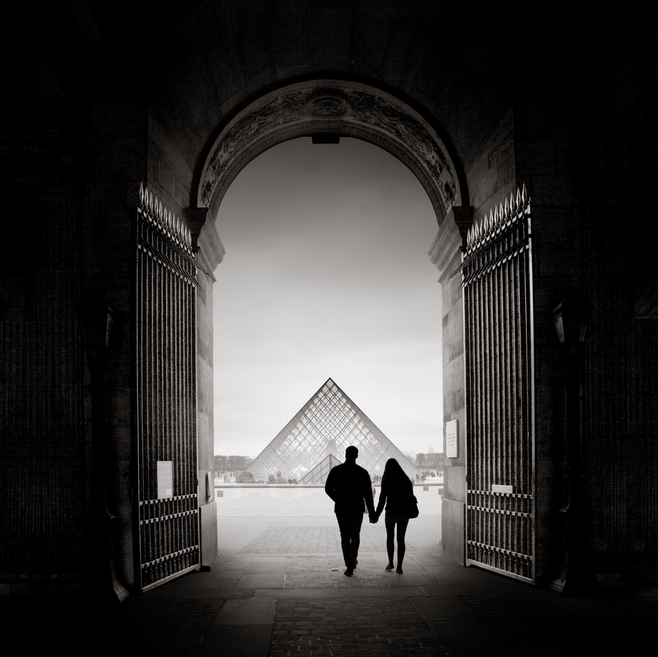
pixel 337 108
pixel 326 109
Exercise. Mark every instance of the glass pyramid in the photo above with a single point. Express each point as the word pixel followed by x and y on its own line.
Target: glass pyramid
pixel 316 438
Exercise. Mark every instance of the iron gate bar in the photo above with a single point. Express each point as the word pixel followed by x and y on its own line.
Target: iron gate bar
pixel 167 527
pixel 497 282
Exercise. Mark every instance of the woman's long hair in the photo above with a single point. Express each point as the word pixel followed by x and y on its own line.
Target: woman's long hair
pixel 394 475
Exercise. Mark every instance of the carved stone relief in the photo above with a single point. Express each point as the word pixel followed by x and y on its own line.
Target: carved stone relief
pixel 348 109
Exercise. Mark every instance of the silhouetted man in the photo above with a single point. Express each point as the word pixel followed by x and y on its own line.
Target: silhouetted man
pixel 349 486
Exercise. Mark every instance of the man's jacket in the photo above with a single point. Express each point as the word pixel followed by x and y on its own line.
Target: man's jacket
pixel 349 486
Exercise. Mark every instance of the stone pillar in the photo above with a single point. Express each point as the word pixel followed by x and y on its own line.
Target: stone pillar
pixel 446 255
pixel 209 254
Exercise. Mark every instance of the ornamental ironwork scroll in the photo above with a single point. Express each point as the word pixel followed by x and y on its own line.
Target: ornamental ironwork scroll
pixel 498 316
pixel 167 516
pixel 349 109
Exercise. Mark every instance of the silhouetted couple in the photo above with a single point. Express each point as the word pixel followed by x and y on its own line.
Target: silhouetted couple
pixel 349 486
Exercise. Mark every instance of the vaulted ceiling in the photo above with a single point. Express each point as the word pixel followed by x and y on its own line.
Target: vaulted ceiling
pixel 466 61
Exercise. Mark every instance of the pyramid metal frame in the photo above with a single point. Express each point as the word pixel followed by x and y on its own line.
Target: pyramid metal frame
pixel 319 433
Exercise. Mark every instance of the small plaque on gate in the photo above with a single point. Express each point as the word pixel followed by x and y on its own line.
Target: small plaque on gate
pixel 500 488
pixel 165 479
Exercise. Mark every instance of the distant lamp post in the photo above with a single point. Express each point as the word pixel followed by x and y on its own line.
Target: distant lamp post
pixel 95 320
pixel 572 319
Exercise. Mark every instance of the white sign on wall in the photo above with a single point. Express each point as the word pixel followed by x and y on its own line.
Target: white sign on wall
pixel 451 439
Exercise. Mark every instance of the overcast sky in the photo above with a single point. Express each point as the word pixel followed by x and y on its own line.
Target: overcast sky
pixel 326 274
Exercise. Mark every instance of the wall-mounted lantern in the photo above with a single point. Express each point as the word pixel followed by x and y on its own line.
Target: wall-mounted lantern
pixel 95 319
pixel 572 318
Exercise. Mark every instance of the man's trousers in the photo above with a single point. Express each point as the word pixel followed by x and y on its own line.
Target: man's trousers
pixel 350 536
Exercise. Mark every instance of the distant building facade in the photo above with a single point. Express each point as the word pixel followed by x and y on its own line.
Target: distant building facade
pixel 430 461
pixel 231 463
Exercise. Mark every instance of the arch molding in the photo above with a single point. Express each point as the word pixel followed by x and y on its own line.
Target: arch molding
pixel 338 107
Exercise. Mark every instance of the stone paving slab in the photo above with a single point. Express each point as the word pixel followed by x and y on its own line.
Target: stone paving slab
pixel 296 539
pixel 251 611
pixel 327 571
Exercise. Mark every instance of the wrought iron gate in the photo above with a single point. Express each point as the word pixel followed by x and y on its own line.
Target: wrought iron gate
pixel 166 451
pixel 498 311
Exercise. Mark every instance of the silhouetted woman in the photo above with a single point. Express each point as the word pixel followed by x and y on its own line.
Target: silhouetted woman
pixel 396 493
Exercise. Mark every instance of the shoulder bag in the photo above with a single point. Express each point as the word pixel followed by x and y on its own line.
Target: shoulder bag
pixel 413 507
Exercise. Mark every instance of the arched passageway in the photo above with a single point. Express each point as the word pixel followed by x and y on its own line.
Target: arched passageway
pixel 325 110
pixel 329 109
pixel 100 101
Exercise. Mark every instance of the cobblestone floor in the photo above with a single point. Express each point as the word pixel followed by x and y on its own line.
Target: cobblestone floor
pixel 171 627
pixel 376 628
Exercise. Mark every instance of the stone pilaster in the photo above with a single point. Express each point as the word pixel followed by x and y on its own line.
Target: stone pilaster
pixel 447 246
pixel 205 239
pixel 209 254
pixel 445 254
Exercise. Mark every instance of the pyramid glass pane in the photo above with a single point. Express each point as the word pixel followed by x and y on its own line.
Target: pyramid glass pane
pixel 318 434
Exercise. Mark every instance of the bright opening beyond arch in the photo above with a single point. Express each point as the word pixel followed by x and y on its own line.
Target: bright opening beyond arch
pixel 326 274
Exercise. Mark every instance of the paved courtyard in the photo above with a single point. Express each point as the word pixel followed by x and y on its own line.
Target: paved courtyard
pixel 277 589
